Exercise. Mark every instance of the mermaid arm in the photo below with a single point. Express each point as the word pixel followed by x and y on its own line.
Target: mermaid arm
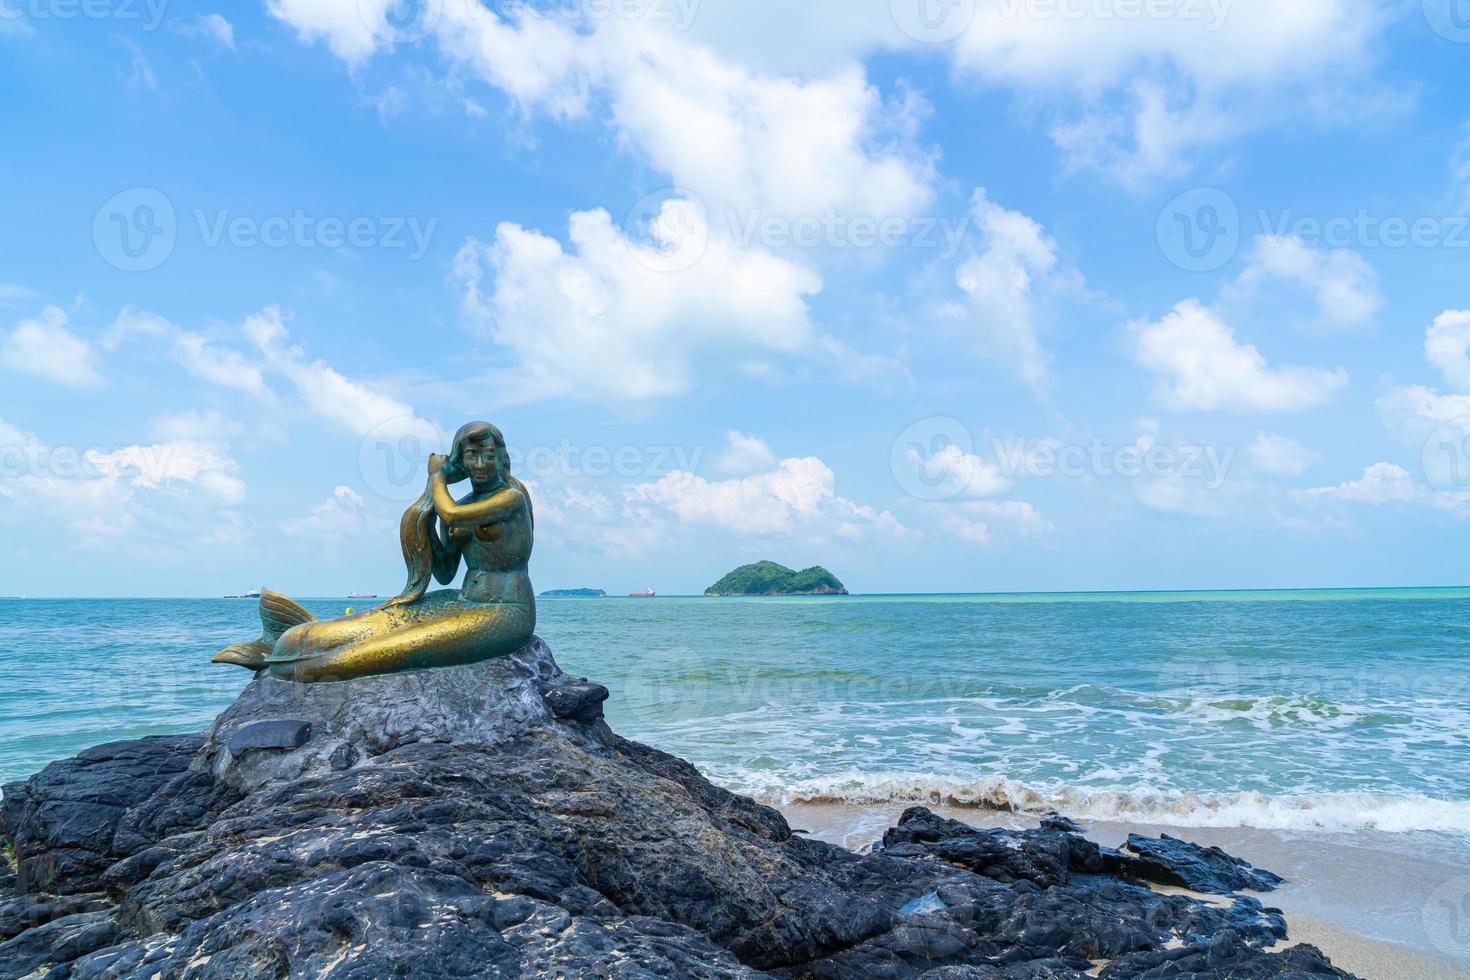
pixel 500 506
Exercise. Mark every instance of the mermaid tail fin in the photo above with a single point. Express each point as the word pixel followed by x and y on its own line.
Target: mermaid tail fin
pixel 277 615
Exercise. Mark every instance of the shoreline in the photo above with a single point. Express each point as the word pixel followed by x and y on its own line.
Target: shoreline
pixel 1355 896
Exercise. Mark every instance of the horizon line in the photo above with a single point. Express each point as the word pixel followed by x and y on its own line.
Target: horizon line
pixel 853 595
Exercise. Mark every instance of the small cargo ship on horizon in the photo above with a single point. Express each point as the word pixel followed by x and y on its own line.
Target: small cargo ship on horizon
pixel 645 594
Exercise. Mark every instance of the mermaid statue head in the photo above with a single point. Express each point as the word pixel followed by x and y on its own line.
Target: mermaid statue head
pixel 478 454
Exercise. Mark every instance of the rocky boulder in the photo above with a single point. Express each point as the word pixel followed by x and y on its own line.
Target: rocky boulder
pixel 484 821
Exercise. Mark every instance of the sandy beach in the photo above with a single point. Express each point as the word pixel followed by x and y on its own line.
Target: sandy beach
pixel 1360 898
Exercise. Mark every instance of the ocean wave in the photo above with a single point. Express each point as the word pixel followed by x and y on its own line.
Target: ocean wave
pixel 1339 812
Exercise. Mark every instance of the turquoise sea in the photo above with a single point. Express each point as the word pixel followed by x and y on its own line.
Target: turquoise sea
pixel 1312 710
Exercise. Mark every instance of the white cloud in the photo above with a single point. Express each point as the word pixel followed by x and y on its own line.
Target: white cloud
pixel 748 141
pixel 741 139
pixel 1201 366
pixel 14 295
pixel 1343 285
pixel 192 425
pixel 1136 96
pixel 1381 483
pixel 1147 135
pixel 956 471
pixel 988 522
pixel 208 361
pixel 796 494
pixel 1280 456
pixel 773 502
pixel 43 346
pixel 346 25
pixel 1445 346
pixel 353 405
pixel 1437 426
pixel 744 454
pixel 1008 285
pixel 140 69
pixel 153 467
pixel 741 147
pixel 576 517
pixel 154 498
pixel 605 319
pixel 1388 484
pixel 1408 409
pixel 341 516
pixel 216 28
pixel 1175 494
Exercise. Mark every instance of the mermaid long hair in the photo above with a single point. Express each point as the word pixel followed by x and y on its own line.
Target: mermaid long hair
pixel 417 529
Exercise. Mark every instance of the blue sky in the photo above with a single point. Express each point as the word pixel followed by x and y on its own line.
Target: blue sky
pixel 945 295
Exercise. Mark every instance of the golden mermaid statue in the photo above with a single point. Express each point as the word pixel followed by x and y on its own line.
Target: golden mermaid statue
pixel 493 614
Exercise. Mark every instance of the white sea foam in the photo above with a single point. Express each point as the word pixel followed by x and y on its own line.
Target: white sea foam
pixel 1341 812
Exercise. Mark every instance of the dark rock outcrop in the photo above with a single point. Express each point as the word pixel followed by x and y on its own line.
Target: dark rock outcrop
pixel 1170 861
pixel 484 821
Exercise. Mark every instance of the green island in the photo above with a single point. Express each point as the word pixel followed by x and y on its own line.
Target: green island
pixel 573 594
pixel 770 578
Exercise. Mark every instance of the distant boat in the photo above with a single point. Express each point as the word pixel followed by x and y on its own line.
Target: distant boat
pixel 645 594
pixel 252 594
pixel 362 595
